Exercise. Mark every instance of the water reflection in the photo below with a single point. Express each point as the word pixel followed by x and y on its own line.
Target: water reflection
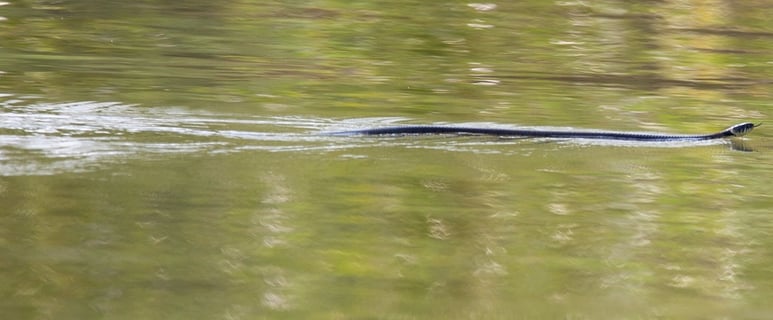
pixel 236 206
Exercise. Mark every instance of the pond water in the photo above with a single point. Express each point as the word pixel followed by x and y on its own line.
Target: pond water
pixel 165 160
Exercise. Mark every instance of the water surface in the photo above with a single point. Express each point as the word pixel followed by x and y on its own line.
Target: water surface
pixel 166 161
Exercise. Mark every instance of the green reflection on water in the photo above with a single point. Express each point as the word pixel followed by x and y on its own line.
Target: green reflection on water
pixel 391 234
pixel 164 212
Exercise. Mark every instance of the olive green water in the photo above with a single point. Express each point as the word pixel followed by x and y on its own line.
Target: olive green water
pixel 162 160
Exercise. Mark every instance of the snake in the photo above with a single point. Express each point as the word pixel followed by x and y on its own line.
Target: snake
pixel 737 130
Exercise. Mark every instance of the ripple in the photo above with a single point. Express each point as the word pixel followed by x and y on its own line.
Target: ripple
pixel 47 138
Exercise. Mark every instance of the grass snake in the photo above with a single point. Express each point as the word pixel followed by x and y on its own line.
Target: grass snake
pixel 733 131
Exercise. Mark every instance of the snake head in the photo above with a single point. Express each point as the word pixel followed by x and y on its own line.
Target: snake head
pixel 742 128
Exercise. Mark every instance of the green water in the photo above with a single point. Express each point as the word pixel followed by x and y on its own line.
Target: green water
pixel 163 160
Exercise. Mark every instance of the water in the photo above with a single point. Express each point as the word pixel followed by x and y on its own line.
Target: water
pixel 165 161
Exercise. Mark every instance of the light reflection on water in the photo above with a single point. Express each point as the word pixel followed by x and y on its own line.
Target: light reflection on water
pixel 48 138
pixel 300 219
pixel 235 206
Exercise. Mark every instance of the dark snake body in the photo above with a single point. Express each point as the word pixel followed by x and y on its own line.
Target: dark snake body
pixel 734 131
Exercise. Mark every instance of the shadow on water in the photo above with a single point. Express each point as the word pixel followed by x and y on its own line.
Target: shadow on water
pixel 42 138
